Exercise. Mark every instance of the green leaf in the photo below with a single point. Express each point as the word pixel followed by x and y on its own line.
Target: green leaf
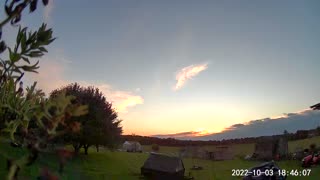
pixel 26 59
pixel 80 110
pixel 23 42
pixel 35 54
pixel 42 49
pixel 14 57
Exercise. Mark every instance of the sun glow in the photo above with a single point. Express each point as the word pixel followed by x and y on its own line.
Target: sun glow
pixel 202 132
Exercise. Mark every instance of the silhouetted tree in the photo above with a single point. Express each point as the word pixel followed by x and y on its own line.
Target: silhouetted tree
pixel 100 126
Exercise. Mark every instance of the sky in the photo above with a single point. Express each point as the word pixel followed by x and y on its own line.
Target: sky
pixel 186 66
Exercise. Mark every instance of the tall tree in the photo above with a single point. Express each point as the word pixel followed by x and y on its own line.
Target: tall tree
pixel 100 126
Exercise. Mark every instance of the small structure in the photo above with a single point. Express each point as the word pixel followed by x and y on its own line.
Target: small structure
pixel 132 146
pixel 192 152
pixel 159 167
pixel 222 153
pixel 269 148
pixel 218 153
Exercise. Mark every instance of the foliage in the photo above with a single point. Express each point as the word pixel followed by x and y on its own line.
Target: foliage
pixel 100 126
pixel 155 147
pixel 313 147
pixel 30 116
pixel 14 9
pixel 29 45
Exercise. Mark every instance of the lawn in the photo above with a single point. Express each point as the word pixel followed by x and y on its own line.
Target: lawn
pixel 126 166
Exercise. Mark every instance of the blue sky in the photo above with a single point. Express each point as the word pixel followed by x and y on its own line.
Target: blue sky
pixel 242 60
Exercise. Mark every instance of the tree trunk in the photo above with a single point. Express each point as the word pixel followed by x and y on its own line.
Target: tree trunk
pixel 97 147
pixel 86 147
pixel 76 148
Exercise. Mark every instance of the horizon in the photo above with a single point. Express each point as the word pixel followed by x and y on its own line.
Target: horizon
pixel 211 69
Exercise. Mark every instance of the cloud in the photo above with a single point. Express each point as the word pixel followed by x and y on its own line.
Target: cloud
pixel 48 11
pixel 52 76
pixel 302 120
pixel 121 100
pixel 188 73
pixel 185 135
pixel 181 135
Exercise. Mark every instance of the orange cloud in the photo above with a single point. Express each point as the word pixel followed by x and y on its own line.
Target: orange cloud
pixel 187 73
pixel 121 100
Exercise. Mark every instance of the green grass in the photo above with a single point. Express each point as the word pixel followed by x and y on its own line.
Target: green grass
pixel 305 143
pixel 126 166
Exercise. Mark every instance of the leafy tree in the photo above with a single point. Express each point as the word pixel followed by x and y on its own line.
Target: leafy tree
pixel 18 110
pixel 100 126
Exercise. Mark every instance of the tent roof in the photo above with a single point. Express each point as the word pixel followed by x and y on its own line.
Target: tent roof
pixel 131 142
pixel 163 163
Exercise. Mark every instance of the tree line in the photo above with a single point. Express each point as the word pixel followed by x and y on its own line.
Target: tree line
pixel 147 140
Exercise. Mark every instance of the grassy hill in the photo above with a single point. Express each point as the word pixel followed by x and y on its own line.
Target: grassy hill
pixel 126 166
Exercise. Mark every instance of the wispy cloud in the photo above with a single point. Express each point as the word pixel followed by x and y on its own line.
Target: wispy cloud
pixel 188 73
pixel 48 11
pixel 185 135
pixel 181 135
pixel 52 75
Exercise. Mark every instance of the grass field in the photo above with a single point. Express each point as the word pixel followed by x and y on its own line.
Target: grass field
pixel 126 166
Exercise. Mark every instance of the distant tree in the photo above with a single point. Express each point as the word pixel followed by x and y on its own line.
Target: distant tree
pixel 155 147
pixel 313 147
pixel 100 126
pixel 318 130
pixel 285 132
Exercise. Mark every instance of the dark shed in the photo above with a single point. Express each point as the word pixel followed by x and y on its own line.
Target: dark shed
pixel 159 167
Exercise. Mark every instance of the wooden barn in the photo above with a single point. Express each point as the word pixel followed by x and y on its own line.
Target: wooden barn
pixel 192 152
pixel 222 153
pixel 218 153
pixel 269 148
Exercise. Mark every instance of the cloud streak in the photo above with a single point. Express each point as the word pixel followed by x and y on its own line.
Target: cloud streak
pixel 188 73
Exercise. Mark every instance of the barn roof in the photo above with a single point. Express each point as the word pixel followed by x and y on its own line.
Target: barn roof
pixel 163 163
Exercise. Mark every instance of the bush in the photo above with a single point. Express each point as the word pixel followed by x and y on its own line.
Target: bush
pixel 155 147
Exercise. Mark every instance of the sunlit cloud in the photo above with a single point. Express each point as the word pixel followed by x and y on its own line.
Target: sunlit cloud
pixel 186 135
pixel 121 100
pixel 188 73
pixel 52 75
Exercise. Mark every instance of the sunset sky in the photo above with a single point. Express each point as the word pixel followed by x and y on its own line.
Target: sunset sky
pixel 172 66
